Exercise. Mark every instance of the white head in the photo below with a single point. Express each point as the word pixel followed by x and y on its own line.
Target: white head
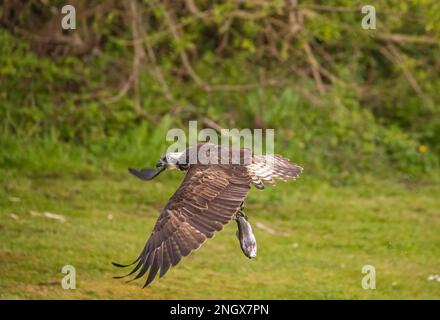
pixel 173 160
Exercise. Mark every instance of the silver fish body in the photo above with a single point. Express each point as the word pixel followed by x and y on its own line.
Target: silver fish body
pixel 245 235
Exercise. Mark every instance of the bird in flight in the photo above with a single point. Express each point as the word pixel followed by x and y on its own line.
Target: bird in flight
pixel 211 194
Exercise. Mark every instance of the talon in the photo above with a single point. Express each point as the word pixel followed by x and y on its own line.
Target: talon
pixel 239 214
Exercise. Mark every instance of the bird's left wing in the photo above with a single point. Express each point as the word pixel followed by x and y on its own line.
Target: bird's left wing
pixel 207 199
pixel 268 168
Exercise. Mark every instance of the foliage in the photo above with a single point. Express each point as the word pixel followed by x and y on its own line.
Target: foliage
pixel 343 100
pixel 358 109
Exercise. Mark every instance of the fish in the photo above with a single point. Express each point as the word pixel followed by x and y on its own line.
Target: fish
pixel 245 235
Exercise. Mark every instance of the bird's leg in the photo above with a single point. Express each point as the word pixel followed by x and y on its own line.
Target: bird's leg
pixel 240 212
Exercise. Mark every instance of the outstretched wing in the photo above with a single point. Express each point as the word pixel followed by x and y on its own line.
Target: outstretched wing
pixel 268 168
pixel 206 200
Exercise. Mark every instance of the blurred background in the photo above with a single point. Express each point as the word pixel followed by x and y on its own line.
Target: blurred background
pixel 358 109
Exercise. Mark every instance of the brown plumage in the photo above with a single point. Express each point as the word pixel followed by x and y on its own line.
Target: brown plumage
pixel 207 199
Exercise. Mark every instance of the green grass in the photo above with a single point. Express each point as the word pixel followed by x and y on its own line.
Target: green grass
pixel 323 237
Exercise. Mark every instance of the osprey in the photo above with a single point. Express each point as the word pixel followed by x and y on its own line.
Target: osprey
pixel 211 194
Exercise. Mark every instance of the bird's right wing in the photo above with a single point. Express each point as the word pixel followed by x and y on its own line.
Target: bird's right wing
pixel 207 199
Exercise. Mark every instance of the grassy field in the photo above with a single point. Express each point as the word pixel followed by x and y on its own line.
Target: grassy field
pixel 313 239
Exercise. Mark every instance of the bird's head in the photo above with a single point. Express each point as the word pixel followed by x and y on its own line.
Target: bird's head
pixel 172 160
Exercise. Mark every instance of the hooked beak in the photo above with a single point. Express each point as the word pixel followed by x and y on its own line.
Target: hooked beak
pixel 159 164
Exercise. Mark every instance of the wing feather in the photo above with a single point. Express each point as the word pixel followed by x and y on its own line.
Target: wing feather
pixel 206 200
pixel 268 168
